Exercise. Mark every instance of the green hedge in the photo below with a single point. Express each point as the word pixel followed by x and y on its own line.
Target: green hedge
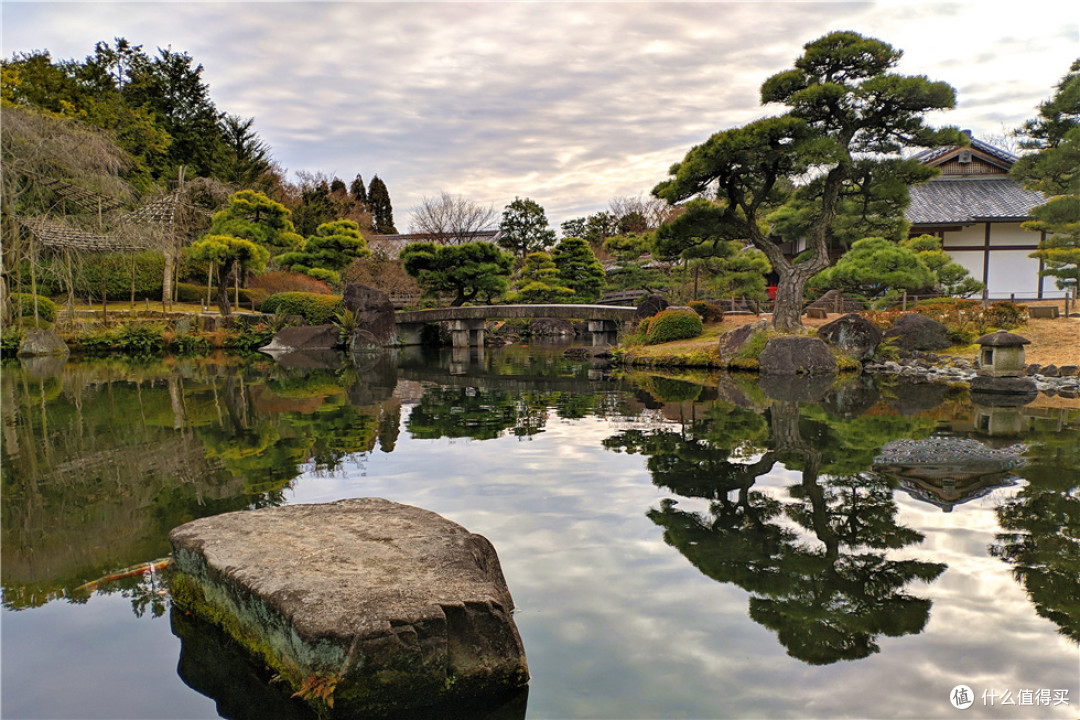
pixel 114 270
pixel 707 311
pixel 24 303
pixel 192 293
pixel 672 325
pixel 316 309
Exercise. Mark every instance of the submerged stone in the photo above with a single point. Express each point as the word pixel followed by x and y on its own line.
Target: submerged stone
pixel 362 605
pixel 37 343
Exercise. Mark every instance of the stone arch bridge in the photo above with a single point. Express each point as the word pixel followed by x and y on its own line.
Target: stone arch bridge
pixel 467 323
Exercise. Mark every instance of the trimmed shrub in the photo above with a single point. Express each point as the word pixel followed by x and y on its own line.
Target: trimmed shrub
pixel 10 340
pixel 670 325
pixel 316 309
pixel 191 293
pixel 709 313
pixel 24 303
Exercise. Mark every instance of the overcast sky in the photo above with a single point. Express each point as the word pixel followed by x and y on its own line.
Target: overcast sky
pixel 570 104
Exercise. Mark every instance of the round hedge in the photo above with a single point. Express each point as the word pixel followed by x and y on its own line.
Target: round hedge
pixel 24 302
pixel 672 325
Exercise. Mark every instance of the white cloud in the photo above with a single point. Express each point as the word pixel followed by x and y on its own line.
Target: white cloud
pixel 568 103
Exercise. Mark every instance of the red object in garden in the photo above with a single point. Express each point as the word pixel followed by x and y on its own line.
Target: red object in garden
pixel 772 292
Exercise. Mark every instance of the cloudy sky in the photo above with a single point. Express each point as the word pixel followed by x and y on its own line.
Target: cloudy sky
pixel 570 104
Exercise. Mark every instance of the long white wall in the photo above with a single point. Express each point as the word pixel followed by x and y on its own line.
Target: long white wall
pixel 1010 271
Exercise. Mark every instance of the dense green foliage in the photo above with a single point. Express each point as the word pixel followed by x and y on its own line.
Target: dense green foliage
pixel 378 200
pixel 538 282
pixel 1055 170
pixel 951 278
pixel 524 228
pixel 848 117
pixel 46 308
pixel 315 308
pixel 468 271
pixel 229 254
pixel 331 249
pixel 874 266
pixel 669 325
pixel 579 270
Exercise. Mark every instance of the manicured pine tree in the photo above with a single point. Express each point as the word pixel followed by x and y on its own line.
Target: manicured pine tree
pixel 578 269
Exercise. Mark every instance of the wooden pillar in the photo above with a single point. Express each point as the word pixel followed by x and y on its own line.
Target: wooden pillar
pixel 986 263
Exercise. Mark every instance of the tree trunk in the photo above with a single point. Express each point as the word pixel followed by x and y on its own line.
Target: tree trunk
pixel 167 279
pixel 223 289
pixel 787 310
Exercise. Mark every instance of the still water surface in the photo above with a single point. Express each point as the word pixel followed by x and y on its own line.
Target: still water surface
pixel 699 547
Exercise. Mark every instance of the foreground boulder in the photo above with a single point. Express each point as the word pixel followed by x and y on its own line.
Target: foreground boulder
pixel 918 332
pixel 796 355
pixel 304 337
pixel 40 343
pixel 363 605
pixel 373 311
pixel 853 334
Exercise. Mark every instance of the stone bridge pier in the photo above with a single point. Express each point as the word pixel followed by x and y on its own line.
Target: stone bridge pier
pixel 467 324
pixel 467 333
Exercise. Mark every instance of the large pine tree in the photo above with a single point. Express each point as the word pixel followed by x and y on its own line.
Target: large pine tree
pixel 381 210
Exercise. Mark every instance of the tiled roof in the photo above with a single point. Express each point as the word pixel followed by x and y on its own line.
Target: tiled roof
pixel 927 157
pixel 966 200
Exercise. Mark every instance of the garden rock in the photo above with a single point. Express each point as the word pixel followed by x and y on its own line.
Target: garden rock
pixel 918 332
pixel 307 337
pixel 373 311
pixel 853 334
pixel 796 355
pixel 551 327
pixel 42 342
pixel 379 606
pixel 732 342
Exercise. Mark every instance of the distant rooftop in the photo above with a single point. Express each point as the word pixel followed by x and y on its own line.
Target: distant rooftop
pixel 967 200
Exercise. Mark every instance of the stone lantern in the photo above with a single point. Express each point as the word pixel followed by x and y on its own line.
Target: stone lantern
pixel 1002 355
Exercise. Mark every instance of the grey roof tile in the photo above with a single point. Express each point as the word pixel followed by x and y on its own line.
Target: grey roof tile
pixel 951 201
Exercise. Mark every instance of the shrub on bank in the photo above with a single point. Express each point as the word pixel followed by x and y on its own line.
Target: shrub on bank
pixel 965 320
pixel 315 308
pixel 670 325
pixel 24 304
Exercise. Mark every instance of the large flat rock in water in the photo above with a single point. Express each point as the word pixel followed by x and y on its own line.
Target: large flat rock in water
pixel 365 604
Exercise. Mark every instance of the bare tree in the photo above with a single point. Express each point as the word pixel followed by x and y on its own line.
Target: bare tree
pixel 640 214
pixel 451 219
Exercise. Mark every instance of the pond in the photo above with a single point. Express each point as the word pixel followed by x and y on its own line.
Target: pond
pixel 696 546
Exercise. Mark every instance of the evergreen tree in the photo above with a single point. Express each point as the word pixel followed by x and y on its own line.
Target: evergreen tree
pixel 848 118
pixel 381 210
pixel 524 228
pixel 875 266
pixel 358 191
pixel 579 270
pixel 952 278
pixel 539 282
pixel 246 158
pixel 330 249
pixel 1055 171
pixel 230 255
pixel 469 271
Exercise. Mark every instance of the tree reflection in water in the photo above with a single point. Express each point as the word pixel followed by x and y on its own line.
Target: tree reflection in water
pixel 815 562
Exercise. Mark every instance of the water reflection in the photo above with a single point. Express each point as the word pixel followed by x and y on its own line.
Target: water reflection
pixel 770 489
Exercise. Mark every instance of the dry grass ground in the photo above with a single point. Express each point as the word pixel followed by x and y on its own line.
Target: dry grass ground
pixel 1053 342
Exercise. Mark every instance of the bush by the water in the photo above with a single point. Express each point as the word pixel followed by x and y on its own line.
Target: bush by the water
pixel 316 309
pixel 279 281
pixel 137 338
pixel 672 325
pixel 24 302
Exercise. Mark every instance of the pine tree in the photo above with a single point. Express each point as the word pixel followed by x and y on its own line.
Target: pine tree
pixel 358 191
pixel 379 202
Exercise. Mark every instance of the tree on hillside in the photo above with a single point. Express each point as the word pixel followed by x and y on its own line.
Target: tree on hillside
pixel 246 158
pixel 538 282
pixel 451 219
pixel 329 250
pixel 525 228
pixel 358 190
pixel 846 112
pixel 468 271
pixel 579 270
pixel 381 210
pixel 1055 170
